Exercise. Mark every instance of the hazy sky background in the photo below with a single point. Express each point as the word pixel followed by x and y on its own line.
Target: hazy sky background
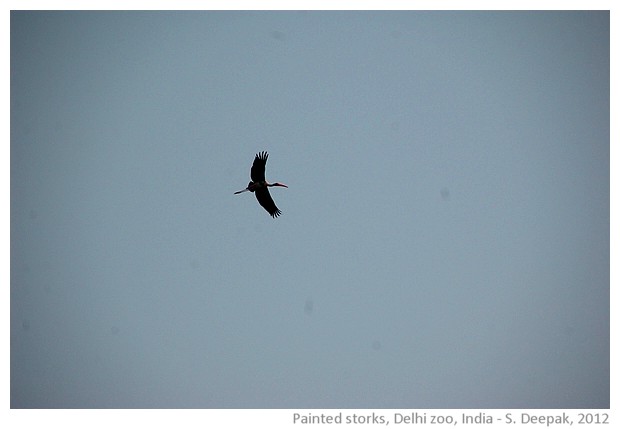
pixel 444 241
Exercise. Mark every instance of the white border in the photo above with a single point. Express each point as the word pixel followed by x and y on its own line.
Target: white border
pixel 308 5
pixel 252 418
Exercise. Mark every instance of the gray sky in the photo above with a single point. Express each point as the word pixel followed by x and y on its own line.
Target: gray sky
pixel 444 241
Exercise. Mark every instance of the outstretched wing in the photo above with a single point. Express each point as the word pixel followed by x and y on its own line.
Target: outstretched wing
pixel 265 200
pixel 257 174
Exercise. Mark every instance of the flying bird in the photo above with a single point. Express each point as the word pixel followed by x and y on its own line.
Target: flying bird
pixel 260 186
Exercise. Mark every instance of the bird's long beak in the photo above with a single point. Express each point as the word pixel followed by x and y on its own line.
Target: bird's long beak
pixel 243 190
pixel 280 184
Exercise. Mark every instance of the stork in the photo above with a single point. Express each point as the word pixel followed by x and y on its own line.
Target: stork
pixel 260 186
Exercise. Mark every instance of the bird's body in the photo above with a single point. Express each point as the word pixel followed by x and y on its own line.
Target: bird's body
pixel 260 186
